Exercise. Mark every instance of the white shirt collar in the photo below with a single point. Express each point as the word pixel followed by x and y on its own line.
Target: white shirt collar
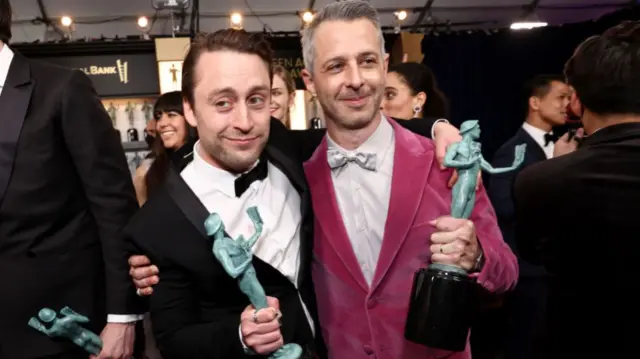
pixel 536 133
pixel 379 142
pixel 6 55
pixel 213 177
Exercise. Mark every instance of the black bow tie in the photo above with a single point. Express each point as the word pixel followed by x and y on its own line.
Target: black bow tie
pixel 257 173
pixel 550 137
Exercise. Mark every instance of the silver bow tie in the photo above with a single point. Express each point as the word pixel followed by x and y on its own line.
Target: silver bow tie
pixel 337 159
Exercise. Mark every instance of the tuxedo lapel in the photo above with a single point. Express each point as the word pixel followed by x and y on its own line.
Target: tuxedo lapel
pixel 328 214
pixel 187 201
pixel 534 152
pixel 412 164
pixel 14 103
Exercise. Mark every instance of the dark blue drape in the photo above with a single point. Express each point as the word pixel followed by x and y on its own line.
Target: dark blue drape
pixel 483 75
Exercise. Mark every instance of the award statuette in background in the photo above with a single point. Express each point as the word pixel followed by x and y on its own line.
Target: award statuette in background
pixel 113 114
pixel 441 301
pixel 235 256
pixel 147 109
pixel 68 326
pixel 132 132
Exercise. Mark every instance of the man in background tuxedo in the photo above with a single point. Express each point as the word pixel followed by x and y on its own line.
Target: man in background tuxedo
pixel 577 214
pixel 548 98
pixel 65 194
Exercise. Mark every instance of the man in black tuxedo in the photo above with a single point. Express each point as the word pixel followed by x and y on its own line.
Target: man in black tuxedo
pixel 65 195
pixel 577 214
pixel 244 158
pixel 547 101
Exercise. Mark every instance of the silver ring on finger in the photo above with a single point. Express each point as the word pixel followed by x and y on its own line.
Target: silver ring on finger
pixel 139 292
pixel 255 315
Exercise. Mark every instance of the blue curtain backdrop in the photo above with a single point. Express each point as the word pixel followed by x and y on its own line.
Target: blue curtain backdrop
pixel 483 75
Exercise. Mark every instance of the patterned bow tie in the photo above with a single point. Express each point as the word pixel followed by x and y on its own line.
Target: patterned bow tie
pixel 337 159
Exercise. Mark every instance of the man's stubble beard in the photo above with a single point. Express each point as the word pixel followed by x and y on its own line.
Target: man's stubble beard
pixel 233 162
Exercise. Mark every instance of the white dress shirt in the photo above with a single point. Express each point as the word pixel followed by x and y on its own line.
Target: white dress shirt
pixel 538 136
pixel 6 56
pixel 278 204
pixel 363 196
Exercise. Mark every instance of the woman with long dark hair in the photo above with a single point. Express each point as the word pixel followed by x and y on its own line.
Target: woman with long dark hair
pixel 283 91
pixel 173 145
pixel 412 92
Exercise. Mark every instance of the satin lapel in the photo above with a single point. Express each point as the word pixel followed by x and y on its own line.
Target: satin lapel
pixel 412 164
pixel 534 152
pixel 14 103
pixel 187 201
pixel 327 212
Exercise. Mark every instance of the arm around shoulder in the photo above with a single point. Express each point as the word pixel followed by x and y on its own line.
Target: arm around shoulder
pixel 101 165
pixel 180 330
pixel 499 272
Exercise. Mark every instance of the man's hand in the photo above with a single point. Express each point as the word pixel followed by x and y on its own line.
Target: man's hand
pixel 117 341
pixel 454 242
pixel 263 335
pixel 144 274
pixel 444 135
pixel 564 146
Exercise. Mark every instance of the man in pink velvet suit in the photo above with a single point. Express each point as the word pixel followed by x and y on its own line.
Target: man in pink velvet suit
pixel 380 199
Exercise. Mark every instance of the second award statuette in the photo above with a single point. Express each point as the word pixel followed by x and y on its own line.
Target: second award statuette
pixel 235 256
pixel 441 298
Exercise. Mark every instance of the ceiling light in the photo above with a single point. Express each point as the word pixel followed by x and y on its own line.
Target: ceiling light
pixel 400 15
pixel 307 16
pixel 143 22
pixel 236 18
pixel 66 21
pixel 527 23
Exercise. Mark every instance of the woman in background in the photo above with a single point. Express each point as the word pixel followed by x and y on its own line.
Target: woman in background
pixel 173 145
pixel 283 90
pixel 412 92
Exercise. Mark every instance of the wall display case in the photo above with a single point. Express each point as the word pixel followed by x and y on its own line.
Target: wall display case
pixel 125 76
pixel 130 116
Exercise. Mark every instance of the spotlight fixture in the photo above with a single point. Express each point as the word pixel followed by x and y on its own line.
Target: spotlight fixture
pixel 66 21
pixel 236 20
pixel 307 16
pixel 400 15
pixel 143 22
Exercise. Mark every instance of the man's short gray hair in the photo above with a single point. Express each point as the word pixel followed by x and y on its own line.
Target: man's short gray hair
pixel 349 10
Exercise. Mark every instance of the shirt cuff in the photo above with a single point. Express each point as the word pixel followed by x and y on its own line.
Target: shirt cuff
pixel 433 127
pixel 124 318
pixel 247 350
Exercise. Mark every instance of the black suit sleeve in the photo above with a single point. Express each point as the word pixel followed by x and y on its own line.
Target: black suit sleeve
pixel 306 141
pixel 181 331
pixel 530 228
pixel 102 167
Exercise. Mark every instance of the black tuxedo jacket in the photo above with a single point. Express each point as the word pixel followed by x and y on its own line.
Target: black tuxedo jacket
pixel 578 216
pixel 500 192
pixel 65 195
pixel 196 306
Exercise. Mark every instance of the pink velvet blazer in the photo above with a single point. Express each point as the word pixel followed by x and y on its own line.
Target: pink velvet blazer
pixel 359 321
